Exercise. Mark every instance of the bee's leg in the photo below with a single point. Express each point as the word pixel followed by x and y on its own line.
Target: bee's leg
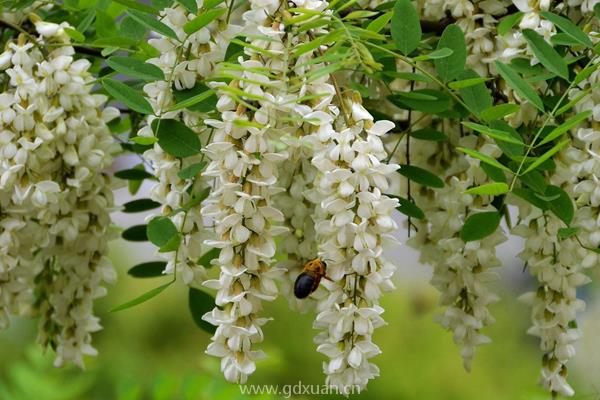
pixel 328 278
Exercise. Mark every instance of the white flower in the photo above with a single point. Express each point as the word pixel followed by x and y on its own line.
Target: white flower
pixel 245 166
pixel 55 196
pixel 353 218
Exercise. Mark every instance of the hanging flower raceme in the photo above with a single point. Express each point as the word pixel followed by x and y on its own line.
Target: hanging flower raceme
pixel 462 268
pixel 54 196
pixel 352 226
pixel 186 63
pixel 244 163
pixel 557 265
pixel 558 260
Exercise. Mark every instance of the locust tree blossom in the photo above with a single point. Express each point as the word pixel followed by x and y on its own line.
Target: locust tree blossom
pixel 54 195
pixel 186 63
pixel 462 270
pixel 352 228
pixel 244 163
pixel 557 265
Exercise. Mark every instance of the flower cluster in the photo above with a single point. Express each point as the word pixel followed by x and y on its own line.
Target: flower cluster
pixel 244 163
pixel 461 270
pixel 185 62
pixel 352 227
pixel 55 199
pixel 557 265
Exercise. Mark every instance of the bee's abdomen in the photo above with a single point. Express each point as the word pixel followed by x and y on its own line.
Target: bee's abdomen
pixel 304 285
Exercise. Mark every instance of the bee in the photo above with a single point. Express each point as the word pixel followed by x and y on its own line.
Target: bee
pixel 308 281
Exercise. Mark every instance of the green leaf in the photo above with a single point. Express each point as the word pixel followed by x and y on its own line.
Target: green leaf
pixel 511 149
pixel 451 67
pixel 199 304
pixel 234 50
pixel 206 258
pixel 208 4
pixel 429 134
pixel 75 35
pixel 465 83
pixel 417 96
pixel 129 27
pixel 359 14
pixel 199 98
pixel 161 230
pixel 565 127
pixel 107 51
pixel 493 133
pixel 546 156
pixel 203 19
pixel 529 196
pixel 534 180
pixel 175 138
pixel 191 171
pixel 135 68
pixel 562 39
pixel 442 101
pixel 86 21
pixel 486 159
pixel 568 27
pixel 562 206
pixel 150 269
pixel 408 76
pixel 409 208
pixel 135 184
pixel 421 176
pixel 508 22
pixel 133 174
pixel 140 205
pixel 493 173
pixel 152 23
pixel 144 140
pixel 171 245
pixel 191 5
pixel 406 27
pixel 492 189
pixel 499 111
pixel 477 226
pixel 476 95
pixel 128 96
pixel 136 233
pixel 435 55
pixel 546 53
pixel 585 73
pixel 519 85
pixel 564 233
pixel 137 6
pixel 143 298
pixel 380 22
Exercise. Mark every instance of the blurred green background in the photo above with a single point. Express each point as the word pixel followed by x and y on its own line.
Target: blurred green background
pixel 155 351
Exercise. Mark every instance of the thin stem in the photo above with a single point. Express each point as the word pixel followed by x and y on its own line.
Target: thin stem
pixel 408 194
pixel 402 133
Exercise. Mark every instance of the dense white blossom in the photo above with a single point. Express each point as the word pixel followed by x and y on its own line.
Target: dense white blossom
pixel 462 270
pixel 54 196
pixel 244 163
pixel 186 63
pixel 557 265
pixel 353 224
